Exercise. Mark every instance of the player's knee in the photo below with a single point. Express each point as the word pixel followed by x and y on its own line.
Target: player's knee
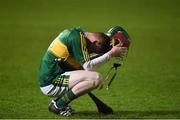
pixel 97 80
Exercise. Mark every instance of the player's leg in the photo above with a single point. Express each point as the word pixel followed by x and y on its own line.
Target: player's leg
pixel 80 82
pixel 69 86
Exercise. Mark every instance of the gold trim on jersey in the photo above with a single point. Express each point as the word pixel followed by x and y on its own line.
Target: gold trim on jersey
pixel 54 47
pixel 84 49
pixel 71 60
pixel 60 50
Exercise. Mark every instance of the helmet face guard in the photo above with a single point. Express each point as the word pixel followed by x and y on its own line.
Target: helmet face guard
pixel 119 37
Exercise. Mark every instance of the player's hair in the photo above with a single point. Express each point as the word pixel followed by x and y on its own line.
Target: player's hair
pixel 105 40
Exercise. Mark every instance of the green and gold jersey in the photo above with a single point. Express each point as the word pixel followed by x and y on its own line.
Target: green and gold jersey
pixel 71 48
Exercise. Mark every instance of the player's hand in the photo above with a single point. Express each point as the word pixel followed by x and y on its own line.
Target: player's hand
pixel 118 51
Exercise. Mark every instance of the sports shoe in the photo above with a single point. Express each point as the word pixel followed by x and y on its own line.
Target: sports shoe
pixel 71 109
pixel 65 111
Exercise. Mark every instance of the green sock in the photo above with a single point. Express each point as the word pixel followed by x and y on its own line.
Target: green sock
pixel 65 99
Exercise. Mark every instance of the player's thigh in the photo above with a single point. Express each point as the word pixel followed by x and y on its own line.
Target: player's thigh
pixel 82 75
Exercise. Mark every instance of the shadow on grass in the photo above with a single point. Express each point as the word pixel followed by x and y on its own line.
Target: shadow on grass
pixel 130 114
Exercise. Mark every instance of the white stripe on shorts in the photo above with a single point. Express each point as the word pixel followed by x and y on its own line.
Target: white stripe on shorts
pixel 55 91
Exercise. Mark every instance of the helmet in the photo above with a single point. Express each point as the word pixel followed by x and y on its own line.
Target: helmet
pixel 119 37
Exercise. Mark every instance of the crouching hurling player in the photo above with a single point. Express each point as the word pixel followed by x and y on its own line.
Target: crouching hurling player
pixel 66 70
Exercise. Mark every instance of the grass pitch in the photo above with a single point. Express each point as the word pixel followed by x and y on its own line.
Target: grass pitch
pixel 147 85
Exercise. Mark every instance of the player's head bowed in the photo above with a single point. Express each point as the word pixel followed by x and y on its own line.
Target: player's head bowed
pixel 98 42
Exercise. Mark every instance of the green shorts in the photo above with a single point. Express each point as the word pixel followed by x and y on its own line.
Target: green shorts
pixel 59 87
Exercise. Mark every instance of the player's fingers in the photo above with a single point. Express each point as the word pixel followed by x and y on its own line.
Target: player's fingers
pixel 123 52
pixel 124 48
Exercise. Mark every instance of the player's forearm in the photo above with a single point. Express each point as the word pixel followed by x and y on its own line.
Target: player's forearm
pixel 97 62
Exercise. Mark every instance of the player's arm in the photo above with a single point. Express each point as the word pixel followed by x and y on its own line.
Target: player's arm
pixel 101 60
pixel 97 62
